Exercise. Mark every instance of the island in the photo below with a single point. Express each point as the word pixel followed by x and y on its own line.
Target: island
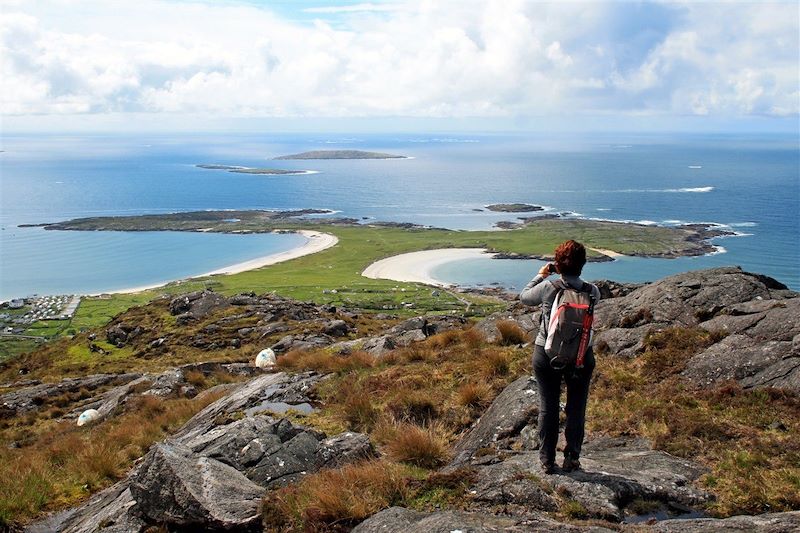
pixel 248 170
pixel 341 154
pixel 514 208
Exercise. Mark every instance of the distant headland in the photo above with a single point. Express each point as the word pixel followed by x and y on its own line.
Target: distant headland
pixel 341 154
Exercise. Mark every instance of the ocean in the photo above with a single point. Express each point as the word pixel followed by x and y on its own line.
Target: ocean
pixel 748 184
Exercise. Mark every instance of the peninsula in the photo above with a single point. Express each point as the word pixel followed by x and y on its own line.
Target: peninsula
pixel 248 170
pixel 341 154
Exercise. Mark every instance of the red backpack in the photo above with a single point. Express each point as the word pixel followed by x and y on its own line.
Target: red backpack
pixel 569 329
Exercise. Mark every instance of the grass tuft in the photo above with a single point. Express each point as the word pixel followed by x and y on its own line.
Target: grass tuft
pixel 418 446
pixel 510 333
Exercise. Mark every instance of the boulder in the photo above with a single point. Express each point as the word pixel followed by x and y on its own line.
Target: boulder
pixel 513 409
pixel 302 342
pixel 273 453
pixel 336 328
pixel 120 334
pixel 175 487
pixel 401 520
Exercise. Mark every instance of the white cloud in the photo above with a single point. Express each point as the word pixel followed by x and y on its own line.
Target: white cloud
pixel 495 58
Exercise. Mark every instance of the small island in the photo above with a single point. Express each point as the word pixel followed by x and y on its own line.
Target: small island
pixel 341 154
pixel 248 170
pixel 514 208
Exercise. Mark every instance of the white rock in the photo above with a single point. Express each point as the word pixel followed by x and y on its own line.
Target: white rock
pixel 88 416
pixel 265 358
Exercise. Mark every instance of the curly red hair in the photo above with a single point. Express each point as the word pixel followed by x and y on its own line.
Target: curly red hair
pixel 570 258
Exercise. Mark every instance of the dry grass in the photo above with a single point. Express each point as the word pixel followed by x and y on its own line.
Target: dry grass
pixel 753 469
pixel 325 361
pixel 493 363
pixel 473 395
pixel 425 447
pixel 335 500
pixel 413 406
pixel 473 338
pixel 66 464
pixel 510 333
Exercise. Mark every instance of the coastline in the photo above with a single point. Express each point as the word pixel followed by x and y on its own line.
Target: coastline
pixel 416 267
pixel 317 242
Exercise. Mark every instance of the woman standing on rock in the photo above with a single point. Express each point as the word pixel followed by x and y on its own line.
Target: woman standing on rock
pixel 570 257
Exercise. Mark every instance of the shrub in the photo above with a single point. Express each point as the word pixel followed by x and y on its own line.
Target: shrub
pixel 359 413
pixel 510 333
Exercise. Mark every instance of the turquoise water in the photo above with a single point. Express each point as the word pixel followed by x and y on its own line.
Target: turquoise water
pixel 748 184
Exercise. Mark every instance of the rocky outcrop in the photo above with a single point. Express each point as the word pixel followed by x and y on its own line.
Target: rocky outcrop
pixel 403 334
pixel 760 316
pixel 31 398
pixel 401 520
pixel 689 298
pixel 766 523
pixel 177 488
pixel 213 473
pixel 196 305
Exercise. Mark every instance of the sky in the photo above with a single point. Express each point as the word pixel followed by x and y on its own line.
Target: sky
pixel 424 64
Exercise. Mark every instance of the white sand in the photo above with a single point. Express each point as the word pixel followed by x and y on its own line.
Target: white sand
pixel 316 243
pixel 417 266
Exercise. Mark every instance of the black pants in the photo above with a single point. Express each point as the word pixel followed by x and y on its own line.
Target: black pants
pixel 549 382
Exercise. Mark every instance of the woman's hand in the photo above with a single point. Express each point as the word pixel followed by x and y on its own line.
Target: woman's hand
pixel 545 270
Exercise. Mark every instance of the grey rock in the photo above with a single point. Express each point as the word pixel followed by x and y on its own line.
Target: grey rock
pixel 521 315
pixel 765 523
pixel 401 520
pixel 336 328
pixel 197 305
pixel 751 362
pixel 31 398
pixel 109 511
pixel 623 342
pixel 175 487
pixel 119 334
pixel 618 471
pixel 506 482
pixel 513 409
pixel 689 298
pixel 275 452
pixel 302 342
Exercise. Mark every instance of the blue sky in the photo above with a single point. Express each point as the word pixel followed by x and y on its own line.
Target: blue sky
pixel 445 64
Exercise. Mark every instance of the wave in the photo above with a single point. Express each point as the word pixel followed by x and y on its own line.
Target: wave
pixel 604 209
pixel 695 166
pixel 681 190
pixel 718 250
pixel 743 224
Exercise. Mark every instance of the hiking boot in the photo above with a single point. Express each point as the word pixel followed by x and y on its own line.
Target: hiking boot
pixel 571 464
pixel 549 467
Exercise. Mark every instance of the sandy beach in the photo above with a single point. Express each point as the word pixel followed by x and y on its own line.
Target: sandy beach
pixel 417 266
pixel 317 242
pixel 609 253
